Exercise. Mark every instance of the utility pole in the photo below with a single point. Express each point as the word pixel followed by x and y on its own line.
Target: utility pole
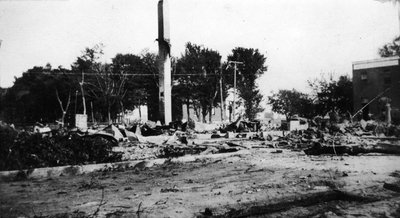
pixel 164 65
pixel 83 94
pixel 234 84
pixel 81 119
pixel 222 96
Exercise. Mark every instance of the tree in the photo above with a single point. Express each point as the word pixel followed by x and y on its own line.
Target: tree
pixel 64 110
pixel 332 96
pixel 252 68
pixel 43 93
pixel 201 82
pixel 117 86
pixel 188 67
pixel 86 63
pixel 133 66
pixel 208 87
pixel 109 89
pixel 291 102
pixel 391 49
pixel 32 98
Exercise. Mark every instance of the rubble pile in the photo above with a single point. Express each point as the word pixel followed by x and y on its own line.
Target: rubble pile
pixel 241 126
pixel 111 143
pixel 27 150
pixel 345 138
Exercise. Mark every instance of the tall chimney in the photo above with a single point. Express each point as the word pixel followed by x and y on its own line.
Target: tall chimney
pixel 164 65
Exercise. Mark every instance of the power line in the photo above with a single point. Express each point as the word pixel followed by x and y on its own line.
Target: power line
pixel 138 74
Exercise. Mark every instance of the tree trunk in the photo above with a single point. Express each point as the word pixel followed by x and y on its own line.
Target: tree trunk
pixel 196 110
pixel 188 108
pixel 63 118
pixel 212 99
pixel 91 106
pixel 64 111
pixel 204 110
pixel 210 112
pixel 204 113
pixel 230 112
pixel 122 111
pixel 109 114
pixel 140 113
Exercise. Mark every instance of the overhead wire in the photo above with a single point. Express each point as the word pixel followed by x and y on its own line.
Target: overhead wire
pixel 136 74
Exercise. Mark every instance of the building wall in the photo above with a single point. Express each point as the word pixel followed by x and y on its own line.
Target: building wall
pixel 370 82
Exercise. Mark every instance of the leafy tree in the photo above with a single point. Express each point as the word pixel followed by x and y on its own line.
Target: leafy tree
pixel 252 68
pixel 188 67
pixel 109 89
pixel 209 85
pixel 333 96
pixel 391 49
pixel 201 85
pixel 132 66
pixel 117 86
pixel 43 93
pixel 87 63
pixel 142 82
pixel 291 102
pixel 150 83
pixel 33 98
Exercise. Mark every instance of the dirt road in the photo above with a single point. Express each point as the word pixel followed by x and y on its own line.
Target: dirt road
pixel 259 183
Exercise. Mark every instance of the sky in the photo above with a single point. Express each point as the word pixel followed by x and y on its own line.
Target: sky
pixel 302 39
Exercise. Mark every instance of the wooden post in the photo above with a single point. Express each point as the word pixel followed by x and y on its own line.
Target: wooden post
pixel 222 97
pixel 83 93
pixel 234 85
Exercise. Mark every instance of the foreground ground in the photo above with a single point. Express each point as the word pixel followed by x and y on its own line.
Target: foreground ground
pixel 257 182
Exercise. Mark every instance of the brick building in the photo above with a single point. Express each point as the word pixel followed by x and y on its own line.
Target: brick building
pixel 379 79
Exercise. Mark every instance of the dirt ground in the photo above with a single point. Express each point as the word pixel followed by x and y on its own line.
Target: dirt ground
pixel 259 182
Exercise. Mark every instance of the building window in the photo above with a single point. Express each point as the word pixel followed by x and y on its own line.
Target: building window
pixel 364 75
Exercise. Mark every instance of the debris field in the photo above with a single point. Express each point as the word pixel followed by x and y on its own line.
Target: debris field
pixel 341 171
